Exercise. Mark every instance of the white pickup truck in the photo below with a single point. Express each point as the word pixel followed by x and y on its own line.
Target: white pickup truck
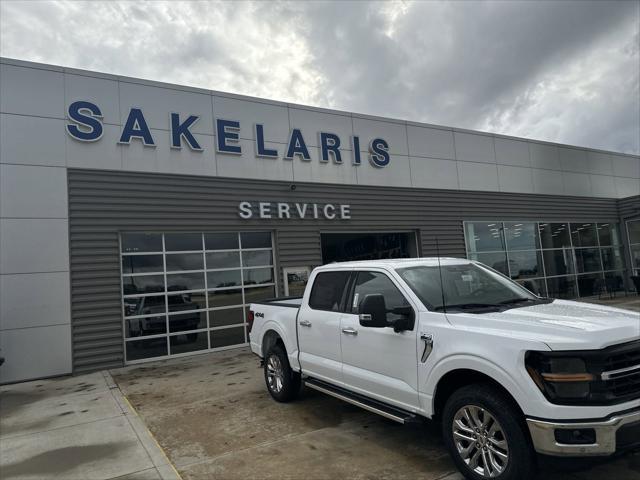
pixel 507 373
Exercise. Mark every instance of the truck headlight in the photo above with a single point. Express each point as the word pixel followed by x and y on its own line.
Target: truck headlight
pixel 562 378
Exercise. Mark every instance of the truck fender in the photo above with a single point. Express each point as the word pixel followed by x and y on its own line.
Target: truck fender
pixel 289 343
pixel 478 364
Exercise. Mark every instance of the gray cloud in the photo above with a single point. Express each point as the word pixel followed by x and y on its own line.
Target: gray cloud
pixel 559 71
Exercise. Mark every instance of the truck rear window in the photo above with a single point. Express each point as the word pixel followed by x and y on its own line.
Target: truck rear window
pixel 328 290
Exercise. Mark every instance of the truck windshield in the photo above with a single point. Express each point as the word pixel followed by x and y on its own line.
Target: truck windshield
pixel 466 287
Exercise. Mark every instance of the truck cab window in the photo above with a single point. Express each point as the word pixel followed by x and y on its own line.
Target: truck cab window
pixel 374 282
pixel 328 289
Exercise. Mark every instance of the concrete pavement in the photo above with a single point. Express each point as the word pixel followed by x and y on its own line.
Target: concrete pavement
pixel 75 428
pixel 213 416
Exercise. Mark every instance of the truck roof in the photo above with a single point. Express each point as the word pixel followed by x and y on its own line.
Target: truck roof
pixel 398 263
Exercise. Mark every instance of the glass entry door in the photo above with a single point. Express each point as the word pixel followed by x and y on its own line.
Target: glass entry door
pixel 343 247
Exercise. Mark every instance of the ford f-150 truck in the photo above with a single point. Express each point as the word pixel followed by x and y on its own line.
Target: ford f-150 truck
pixel 507 373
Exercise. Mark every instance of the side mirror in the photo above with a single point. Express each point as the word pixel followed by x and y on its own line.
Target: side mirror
pixel 373 311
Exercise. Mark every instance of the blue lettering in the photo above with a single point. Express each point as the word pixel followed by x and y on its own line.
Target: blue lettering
pixel 261 150
pixel 228 131
pixel 330 143
pixel 136 127
pixel 181 130
pixel 379 152
pixel 85 114
pixel 355 148
pixel 297 146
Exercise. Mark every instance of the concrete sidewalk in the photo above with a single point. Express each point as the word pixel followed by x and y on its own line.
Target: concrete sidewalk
pixel 76 428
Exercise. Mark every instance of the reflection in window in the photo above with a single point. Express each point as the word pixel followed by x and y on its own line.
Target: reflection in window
pixel 255 240
pixel 143 284
pixel 258 275
pixel 223 260
pixel 185 281
pixel 584 235
pixel 144 305
pixel 370 283
pixel 535 285
pixel 256 258
pixel 591 284
pixel 497 261
pixel 562 287
pixel 328 290
pixel 223 298
pixel 227 316
pixel 141 242
pixel 558 262
pixel 179 286
pixel 484 236
pixel 221 241
pixel 140 327
pixel 186 301
pixel 612 259
pixel 551 249
pixel 223 278
pixel 633 229
pixel 555 235
pixel 142 264
pixel 227 336
pixel 181 322
pixel 182 242
pixel 184 261
pixel 259 294
pixel 608 234
pixel 525 264
pixel 614 281
pixel 521 236
pixel 588 260
pixel 152 347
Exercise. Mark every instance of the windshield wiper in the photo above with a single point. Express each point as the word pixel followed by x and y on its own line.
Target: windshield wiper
pixel 467 306
pixel 517 300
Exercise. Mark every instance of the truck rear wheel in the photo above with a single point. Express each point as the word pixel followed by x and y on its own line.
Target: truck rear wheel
pixel 282 382
pixel 485 435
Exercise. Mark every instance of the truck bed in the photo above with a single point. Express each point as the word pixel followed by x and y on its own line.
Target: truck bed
pixel 291 302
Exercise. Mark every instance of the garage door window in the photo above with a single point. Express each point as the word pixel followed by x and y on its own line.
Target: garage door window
pixel 185 293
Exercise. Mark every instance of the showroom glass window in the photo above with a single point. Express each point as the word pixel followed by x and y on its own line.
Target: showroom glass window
pixel 558 259
pixel 189 292
pixel 633 228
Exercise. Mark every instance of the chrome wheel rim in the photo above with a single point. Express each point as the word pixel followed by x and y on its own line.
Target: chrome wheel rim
pixel 275 374
pixel 480 441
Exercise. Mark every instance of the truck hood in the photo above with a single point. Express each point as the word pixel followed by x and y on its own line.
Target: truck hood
pixel 562 324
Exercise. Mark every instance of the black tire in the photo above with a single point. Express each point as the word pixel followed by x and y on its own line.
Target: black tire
pixel 520 463
pixel 283 387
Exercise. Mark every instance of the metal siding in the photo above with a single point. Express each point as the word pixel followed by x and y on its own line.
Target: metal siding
pixel 103 203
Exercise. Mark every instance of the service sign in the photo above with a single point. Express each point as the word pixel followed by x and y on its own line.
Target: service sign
pixel 85 125
pixel 286 211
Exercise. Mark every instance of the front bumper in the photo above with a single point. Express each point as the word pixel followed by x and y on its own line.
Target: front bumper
pixel 543 435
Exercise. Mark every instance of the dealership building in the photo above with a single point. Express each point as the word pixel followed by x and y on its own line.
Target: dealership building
pixel 139 219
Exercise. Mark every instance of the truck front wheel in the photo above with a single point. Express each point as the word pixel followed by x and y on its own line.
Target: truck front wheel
pixel 282 382
pixel 485 436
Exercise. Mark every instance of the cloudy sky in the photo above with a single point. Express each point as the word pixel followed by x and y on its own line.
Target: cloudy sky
pixel 567 71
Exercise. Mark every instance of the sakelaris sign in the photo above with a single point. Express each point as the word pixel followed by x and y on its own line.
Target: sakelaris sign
pixel 86 125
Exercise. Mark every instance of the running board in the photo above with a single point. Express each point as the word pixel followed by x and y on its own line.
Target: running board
pixel 387 411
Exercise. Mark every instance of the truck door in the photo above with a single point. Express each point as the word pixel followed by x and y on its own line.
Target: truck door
pixel 379 362
pixel 319 326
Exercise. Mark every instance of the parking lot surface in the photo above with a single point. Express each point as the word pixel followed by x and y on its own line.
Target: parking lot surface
pixel 75 428
pixel 214 418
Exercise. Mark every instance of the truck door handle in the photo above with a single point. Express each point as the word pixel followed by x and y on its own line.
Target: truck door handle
pixel 305 323
pixel 427 338
pixel 350 331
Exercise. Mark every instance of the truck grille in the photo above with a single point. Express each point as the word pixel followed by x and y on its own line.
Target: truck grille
pixel 621 371
pixel 628 356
